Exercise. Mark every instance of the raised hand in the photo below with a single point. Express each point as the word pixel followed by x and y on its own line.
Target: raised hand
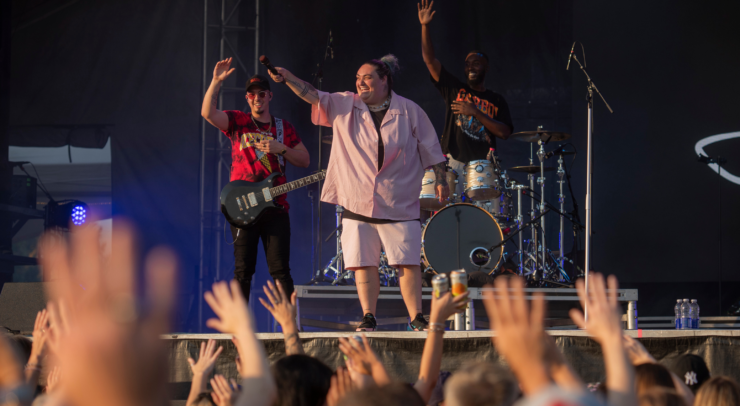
pixel 40 328
pixel 446 305
pixel 103 334
pixel 341 385
pixel 604 313
pixel 637 352
pixel 362 359
pixel 206 359
pixel 222 71
pixel 282 309
pixel 282 75
pixel 228 302
pixel 225 392
pixel 52 380
pixel 425 11
pixel 518 331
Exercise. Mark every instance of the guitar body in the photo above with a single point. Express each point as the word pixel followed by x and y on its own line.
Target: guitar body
pixel 243 203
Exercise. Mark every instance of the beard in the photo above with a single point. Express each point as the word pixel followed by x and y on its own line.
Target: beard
pixel 477 81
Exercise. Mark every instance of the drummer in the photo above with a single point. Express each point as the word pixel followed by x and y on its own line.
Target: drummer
pixel 475 116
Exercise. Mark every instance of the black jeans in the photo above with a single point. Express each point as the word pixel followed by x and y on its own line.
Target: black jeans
pixel 274 231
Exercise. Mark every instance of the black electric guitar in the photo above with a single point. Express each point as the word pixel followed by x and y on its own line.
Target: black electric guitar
pixel 243 203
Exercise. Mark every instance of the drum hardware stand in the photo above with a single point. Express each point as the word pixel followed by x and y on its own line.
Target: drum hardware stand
pixel 530 177
pixel 589 165
pixel 561 199
pixel 541 182
pixel 519 221
pixel 515 233
pixel 336 263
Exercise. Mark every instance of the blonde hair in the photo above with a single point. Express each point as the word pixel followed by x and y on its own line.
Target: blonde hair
pixel 718 391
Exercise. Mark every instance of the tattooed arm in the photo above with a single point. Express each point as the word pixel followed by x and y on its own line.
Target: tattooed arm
pixel 302 89
pixel 441 188
pixel 209 110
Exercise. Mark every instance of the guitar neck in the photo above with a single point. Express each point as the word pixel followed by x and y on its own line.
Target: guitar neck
pixel 296 184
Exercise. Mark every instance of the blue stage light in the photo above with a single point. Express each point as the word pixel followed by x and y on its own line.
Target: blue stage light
pixel 79 215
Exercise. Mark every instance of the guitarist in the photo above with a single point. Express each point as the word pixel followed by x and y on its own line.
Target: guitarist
pixel 260 145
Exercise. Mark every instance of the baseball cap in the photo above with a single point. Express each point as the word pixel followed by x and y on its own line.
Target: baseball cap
pixel 258 80
pixel 691 369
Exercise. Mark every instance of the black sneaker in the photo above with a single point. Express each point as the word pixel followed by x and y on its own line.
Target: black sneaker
pixel 419 323
pixel 368 323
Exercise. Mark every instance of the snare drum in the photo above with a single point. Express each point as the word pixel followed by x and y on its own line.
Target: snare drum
pixel 427 199
pixel 481 181
pixel 459 236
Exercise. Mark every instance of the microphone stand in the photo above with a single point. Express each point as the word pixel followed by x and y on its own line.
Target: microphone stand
pixel 589 168
pixel 319 75
pixel 512 235
pixel 718 161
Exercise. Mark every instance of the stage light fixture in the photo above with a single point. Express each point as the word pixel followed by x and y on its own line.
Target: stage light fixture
pixel 66 214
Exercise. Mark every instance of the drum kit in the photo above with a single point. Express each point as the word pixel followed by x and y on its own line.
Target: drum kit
pixel 470 231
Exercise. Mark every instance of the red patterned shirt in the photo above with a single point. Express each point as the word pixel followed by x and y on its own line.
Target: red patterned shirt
pixel 251 164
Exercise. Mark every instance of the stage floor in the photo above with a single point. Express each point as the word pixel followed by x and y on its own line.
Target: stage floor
pixel 401 352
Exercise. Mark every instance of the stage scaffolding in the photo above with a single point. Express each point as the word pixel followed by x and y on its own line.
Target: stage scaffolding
pixel 226 33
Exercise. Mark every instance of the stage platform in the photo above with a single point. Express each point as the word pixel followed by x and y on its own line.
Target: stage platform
pixel 401 351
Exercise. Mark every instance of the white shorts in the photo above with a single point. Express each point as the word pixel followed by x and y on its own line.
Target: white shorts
pixel 361 243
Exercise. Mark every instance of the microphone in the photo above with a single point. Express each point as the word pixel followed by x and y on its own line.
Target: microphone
pixel 570 56
pixel 268 65
pixel 557 151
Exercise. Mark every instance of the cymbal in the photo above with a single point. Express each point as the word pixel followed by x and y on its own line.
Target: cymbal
pixel 534 136
pixel 530 169
pixel 327 139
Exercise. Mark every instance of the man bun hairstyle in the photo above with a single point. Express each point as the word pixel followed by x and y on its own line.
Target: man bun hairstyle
pixel 385 67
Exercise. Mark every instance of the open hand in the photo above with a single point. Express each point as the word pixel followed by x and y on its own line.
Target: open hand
pixel 637 352
pixel 425 11
pixel 40 329
pixel 228 302
pixel 464 108
pixel 282 309
pixel 222 71
pixel 109 348
pixel 52 380
pixel 224 392
pixel 341 385
pixel 518 331
pixel 604 313
pixel 206 359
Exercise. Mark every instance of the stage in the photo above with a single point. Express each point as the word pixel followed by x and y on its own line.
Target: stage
pixel 401 352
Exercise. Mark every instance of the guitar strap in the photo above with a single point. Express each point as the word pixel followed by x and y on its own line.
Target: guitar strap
pixel 279 128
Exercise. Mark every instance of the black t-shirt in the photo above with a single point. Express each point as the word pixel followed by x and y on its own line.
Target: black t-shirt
pixel 465 139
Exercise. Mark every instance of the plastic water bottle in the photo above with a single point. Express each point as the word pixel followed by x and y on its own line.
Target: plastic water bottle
pixel 695 318
pixel 677 313
pixel 685 315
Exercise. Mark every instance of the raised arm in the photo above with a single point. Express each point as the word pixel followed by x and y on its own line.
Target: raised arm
pixel 431 358
pixel 427 50
pixel 302 89
pixel 284 311
pixel 208 110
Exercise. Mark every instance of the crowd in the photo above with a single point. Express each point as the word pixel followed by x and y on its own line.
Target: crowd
pixel 99 342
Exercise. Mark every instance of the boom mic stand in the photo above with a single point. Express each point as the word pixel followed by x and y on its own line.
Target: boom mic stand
pixel 589 167
pixel 717 161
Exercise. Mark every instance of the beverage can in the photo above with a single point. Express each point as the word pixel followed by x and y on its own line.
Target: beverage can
pixel 440 285
pixel 459 282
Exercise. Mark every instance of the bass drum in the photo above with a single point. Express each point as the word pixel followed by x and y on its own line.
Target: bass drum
pixel 459 236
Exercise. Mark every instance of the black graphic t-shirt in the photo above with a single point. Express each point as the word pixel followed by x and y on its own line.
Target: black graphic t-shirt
pixel 465 138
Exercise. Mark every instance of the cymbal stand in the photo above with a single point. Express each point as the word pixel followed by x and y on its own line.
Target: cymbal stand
pixel 561 199
pixel 519 222
pixel 530 176
pixel 541 182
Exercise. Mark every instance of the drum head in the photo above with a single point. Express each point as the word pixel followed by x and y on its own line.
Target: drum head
pixel 458 237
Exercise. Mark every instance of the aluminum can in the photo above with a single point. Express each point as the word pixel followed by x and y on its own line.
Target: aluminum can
pixel 440 285
pixel 459 282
